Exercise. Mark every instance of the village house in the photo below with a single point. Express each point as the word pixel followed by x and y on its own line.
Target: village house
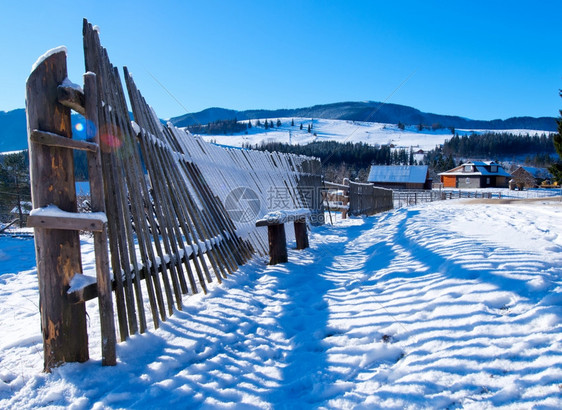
pixel 529 177
pixel 476 174
pixel 400 176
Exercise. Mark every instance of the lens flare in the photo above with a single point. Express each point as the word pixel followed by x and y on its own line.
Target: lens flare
pixel 111 141
pixel 79 127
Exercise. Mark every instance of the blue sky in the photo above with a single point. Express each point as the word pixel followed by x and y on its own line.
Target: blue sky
pixel 478 59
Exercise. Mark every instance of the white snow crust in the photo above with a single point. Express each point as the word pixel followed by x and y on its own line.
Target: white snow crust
pixel 450 304
pixel 48 54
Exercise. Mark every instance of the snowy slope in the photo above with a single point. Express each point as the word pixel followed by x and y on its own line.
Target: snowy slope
pixel 347 131
pixel 450 304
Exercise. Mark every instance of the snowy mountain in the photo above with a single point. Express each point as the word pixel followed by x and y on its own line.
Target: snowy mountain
pixel 368 111
pixel 346 131
pixel 13 133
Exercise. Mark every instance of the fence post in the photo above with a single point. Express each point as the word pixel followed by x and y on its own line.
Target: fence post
pixel 63 324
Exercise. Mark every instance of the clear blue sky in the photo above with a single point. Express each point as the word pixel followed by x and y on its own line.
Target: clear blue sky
pixel 478 59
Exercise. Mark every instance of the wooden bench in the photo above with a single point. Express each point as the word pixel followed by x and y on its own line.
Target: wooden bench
pixel 275 222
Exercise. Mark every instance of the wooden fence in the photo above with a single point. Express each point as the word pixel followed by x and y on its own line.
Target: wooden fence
pixel 414 197
pixel 366 199
pixel 175 212
pixel 355 198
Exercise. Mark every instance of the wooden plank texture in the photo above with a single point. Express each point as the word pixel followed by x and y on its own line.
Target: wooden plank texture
pixel 63 324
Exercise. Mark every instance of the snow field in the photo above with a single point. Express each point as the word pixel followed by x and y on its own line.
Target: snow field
pixel 447 304
pixel 346 131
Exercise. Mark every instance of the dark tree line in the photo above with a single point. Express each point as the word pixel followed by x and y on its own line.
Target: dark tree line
pixel 219 127
pixel 438 162
pixel 556 169
pixel 359 155
pixel 225 127
pixel 14 182
pixel 498 144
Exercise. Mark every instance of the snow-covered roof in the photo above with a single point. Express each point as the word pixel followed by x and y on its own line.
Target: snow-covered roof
pixel 538 172
pixel 479 168
pixel 486 172
pixel 414 174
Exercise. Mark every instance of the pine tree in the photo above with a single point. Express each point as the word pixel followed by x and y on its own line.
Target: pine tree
pixel 270 124
pixel 292 122
pixel 556 169
pixel 301 125
pixel 266 124
pixel 249 124
pixel 308 128
pixel 258 123
pixel 278 123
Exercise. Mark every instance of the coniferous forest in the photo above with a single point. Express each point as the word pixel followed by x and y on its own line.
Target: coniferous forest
pixel 493 144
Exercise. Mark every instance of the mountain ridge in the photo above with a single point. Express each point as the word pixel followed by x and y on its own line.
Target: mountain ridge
pixel 13 129
pixel 371 111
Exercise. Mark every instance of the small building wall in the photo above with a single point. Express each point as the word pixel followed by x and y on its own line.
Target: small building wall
pixel 449 181
pixel 502 182
pixel 521 176
pixel 398 185
pixel 469 182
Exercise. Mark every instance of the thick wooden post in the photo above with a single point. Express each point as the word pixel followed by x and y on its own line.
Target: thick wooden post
pixel 277 244
pixel 301 235
pixel 63 324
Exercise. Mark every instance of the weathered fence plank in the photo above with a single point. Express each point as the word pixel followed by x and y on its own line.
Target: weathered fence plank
pixel 105 297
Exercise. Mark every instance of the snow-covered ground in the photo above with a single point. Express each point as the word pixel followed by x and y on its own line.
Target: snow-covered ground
pixel 347 131
pixel 444 305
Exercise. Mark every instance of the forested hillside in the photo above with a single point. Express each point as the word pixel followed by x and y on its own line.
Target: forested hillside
pixel 498 144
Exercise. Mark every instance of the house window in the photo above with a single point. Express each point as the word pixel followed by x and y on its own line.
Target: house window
pixel 493 168
pixel 468 168
pixel 487 181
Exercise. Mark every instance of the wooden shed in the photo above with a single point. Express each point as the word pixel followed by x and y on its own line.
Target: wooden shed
pixel 400 176
pixel 530 177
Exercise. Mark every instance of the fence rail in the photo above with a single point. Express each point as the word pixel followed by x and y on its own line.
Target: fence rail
pixel 415 197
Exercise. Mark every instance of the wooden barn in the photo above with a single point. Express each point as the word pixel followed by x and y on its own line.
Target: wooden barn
pixel 476 174
pixel 530 177
pixel 400 176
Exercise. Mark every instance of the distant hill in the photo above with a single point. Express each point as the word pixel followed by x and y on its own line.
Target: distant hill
pixel 13 130
pixel 368 111
pixel 13 133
